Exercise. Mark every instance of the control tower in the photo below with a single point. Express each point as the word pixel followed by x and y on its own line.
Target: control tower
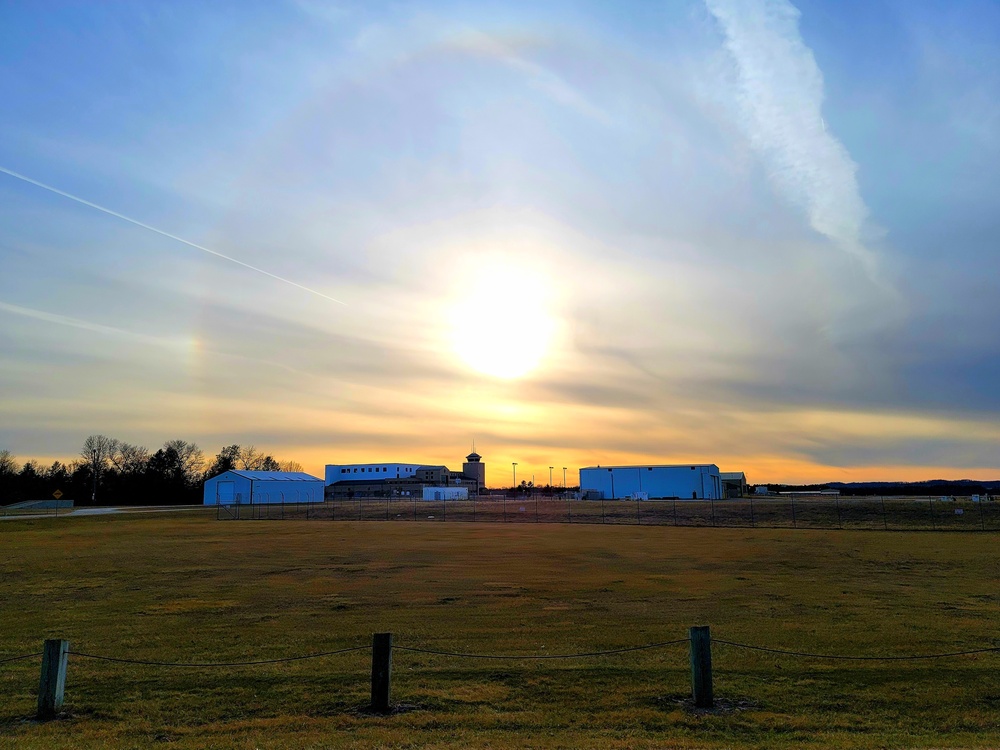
pixel 474 468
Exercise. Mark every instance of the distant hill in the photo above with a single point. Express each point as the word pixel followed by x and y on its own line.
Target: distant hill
pixel 929 487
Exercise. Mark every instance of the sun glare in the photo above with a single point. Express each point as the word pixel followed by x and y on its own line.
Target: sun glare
pixel 502 324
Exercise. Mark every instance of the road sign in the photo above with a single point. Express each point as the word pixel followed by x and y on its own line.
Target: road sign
pixel 57 494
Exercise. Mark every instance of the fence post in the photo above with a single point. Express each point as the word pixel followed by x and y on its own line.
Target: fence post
pixel 885 521
pixel 753 520
pixel 381 671
pixel 701 666
pixel 52 685
pixel 795 524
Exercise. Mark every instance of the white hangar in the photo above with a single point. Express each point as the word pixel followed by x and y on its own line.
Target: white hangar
pixel 692 482
pixel 239 487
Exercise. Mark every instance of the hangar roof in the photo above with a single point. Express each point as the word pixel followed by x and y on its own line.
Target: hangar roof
pixel 276 476
pixel 654 466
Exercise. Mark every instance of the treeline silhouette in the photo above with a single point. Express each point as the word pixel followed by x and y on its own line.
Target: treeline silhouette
pixel 110 471
pixel 927 488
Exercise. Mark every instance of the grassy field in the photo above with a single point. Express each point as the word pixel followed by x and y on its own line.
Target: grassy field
pixel 184 587
pixel 857 513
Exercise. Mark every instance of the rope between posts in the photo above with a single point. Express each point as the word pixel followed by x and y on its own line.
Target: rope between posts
pixel 19 658
pixel 219 664
pixel 856 658
pixel 515 657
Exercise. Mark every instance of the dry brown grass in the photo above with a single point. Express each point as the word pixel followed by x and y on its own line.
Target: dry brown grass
pixel 187 588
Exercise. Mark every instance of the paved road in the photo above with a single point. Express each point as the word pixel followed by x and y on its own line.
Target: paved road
pixel 105 511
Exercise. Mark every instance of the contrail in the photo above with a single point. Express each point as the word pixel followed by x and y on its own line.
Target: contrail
pixel 174 237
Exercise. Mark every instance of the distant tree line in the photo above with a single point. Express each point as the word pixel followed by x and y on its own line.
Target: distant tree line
pixel 931 487
pixel 113 472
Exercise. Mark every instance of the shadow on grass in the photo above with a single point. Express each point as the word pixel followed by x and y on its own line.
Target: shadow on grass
pixel 685 702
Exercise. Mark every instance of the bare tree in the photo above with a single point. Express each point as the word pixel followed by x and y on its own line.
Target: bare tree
pixel 8 464
pixel 96 454
pixel 129 459
pixel 190 457
pixel 289 466
pixel 249 458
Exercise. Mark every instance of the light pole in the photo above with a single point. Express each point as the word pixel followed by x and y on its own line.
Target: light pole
pixel 564 478
pixel 550 479
pixel 514 468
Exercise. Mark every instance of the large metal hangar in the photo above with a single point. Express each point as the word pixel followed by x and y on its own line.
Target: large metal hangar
pixel 687 481
pixel 239 487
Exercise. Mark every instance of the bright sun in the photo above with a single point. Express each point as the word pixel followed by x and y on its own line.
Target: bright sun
pixel 503 326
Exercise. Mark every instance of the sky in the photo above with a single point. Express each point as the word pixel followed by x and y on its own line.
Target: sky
pixel 744 232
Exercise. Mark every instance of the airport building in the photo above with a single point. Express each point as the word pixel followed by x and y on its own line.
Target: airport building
pixel 405 479
pixel 693 482
pixel 734 484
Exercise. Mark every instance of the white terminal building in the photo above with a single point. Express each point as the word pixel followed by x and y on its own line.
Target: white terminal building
pixel 687 481
pixel 406 479
pixel 345 472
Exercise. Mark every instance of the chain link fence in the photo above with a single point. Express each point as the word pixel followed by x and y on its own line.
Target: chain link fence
pixel 790 511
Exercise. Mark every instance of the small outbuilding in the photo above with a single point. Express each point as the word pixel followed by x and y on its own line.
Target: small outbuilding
pixel 734 483
pixel 238 487
pixel 446 493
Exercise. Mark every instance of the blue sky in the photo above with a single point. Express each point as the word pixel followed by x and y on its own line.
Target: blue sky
pixel 741 231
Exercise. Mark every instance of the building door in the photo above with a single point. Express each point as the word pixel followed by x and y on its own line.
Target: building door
pixel 225 492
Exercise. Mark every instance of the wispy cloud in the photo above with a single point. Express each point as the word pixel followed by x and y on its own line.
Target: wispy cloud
pixel 539 77
pixel 781 96
pixel 174 237
pixel 85 325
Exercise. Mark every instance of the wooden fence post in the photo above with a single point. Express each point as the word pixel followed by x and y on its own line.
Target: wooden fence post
pixel 381 671
pixel 52 685
pixel 701 666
